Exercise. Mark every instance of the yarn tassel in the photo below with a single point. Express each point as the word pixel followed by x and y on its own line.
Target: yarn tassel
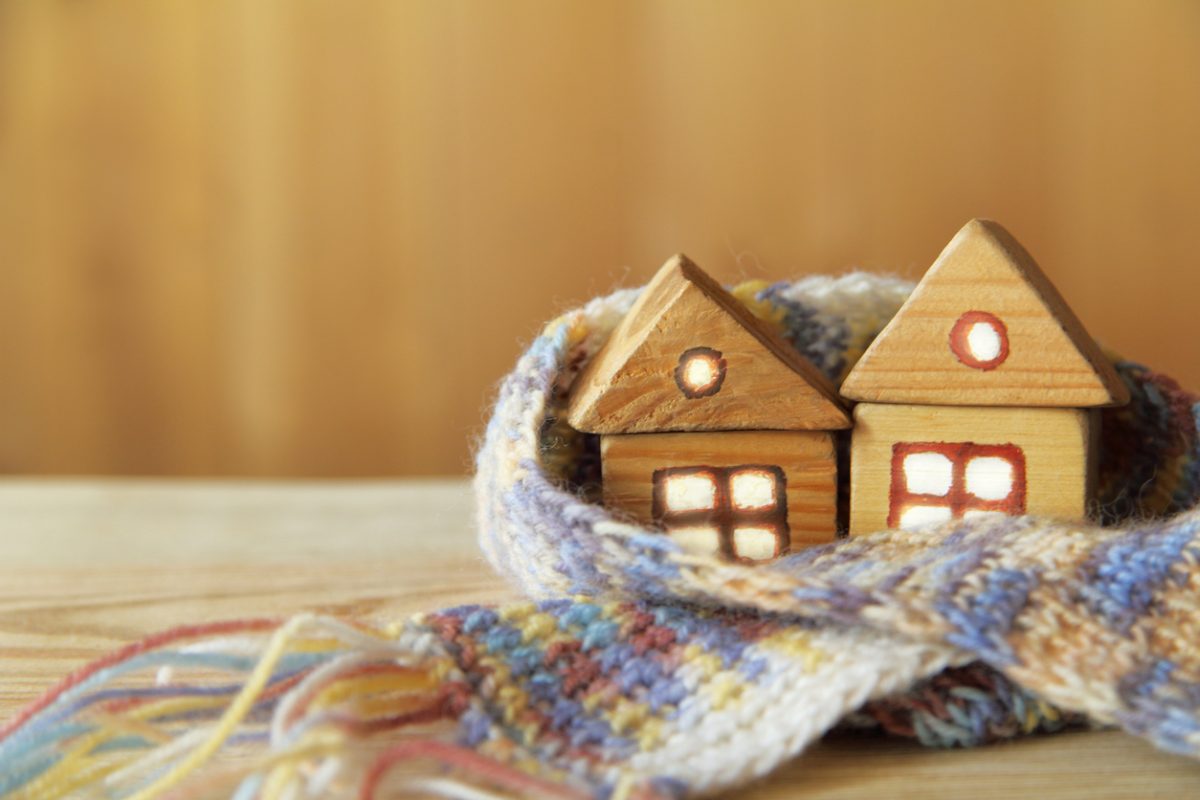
pixel 298 697
pixel 473 703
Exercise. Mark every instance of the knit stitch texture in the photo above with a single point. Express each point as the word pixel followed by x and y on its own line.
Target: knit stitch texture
pixel 1098 621
pixel 640 670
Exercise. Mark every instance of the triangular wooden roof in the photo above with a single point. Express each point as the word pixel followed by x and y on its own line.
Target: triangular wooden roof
pixel 1047 358
pixel 630 385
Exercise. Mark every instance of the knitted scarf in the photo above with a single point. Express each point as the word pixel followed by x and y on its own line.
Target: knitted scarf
pixel 639 670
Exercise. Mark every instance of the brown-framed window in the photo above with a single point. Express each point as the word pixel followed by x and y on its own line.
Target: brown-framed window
pixel 739 511
pixel 700 372
pixel 933 482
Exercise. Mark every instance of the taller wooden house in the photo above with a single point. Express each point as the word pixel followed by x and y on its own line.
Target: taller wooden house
pixel 978 397
pixel 711 425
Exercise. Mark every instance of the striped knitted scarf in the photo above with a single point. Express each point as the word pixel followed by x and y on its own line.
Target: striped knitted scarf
pixel 639 670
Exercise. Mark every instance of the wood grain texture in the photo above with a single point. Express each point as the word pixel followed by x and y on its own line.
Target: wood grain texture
pixel 633 385
pixel 1058 445
pixel 1047 357
pixel 241 238
pixel 88 566
pixel 806 458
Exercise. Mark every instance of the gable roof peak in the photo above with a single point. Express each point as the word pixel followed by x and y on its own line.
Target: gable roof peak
pixel 683 320
pixel 985 327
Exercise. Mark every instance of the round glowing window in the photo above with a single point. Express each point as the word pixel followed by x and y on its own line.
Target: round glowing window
pixel 979 340
pixel 700 372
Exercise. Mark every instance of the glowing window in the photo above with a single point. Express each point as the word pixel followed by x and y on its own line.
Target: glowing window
pixel 753 488
pixel 928 473
pixel 934 482
pixel 979 340
pixel 700 372
pixel 983 341
pixel 990 477
pixel 695 491
pixel 740 512
pixel 974 513
pixel 698 538
pixel 755 543
pixel 919 515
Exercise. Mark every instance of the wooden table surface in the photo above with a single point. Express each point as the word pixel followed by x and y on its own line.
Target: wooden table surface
pixel 86 566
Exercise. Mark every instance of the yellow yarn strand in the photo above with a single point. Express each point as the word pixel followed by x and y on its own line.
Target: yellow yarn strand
pixel 315 645
pixel 233 716
pixel 64 776
pixel 65 785
pixel 371 684
pixel 284 766
pixel 279 778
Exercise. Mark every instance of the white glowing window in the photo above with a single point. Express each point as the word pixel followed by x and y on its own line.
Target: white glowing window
pixel 928 473
pixel 691 492
pixel 698 538
pixel 936 481
pixel 979 340
pixel 752 488
pixel 919 516
pixel 983 340
pixel 975 513
pixel 990 477
pixel 755 543
pixel 735 511
pixel 700 372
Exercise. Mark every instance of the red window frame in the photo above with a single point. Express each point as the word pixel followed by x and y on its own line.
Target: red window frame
pixel 724 516
pixel 962 348
pixel 958 499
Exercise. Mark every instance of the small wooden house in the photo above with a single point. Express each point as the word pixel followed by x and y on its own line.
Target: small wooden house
pixel 978 397
pixel 711 425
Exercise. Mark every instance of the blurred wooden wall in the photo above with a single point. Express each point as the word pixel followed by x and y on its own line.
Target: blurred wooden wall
pixel 306 238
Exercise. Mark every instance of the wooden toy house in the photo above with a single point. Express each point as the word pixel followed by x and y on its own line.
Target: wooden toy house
pixel 711 425
pixel 978 397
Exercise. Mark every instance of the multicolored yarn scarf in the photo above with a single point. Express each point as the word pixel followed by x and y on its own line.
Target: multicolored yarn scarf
pixel 638 670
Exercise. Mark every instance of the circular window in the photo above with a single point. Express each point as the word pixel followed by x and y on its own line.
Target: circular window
pixel 700 372
pixel 979 340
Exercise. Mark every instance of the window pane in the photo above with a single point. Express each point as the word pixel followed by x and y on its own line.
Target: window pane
pixel 753 489
pixel 928 473
pixel 983 340
pixel 699 372
pixel 990 477
pixel 974 513
pixel 756 543
pixel 698 539
pixel 919 516
pixel 691 492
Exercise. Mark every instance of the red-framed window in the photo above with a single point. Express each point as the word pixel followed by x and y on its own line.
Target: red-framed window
pixel 740 512
pixel 933 482
pixel 980 340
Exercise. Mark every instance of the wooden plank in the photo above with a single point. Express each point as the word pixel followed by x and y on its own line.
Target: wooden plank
pixel 806 458
pixel 86 566
pixel 985 327
pixel 642 379
pixel 1057 447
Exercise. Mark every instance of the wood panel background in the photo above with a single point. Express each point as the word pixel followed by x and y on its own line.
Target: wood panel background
pixel 306 238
